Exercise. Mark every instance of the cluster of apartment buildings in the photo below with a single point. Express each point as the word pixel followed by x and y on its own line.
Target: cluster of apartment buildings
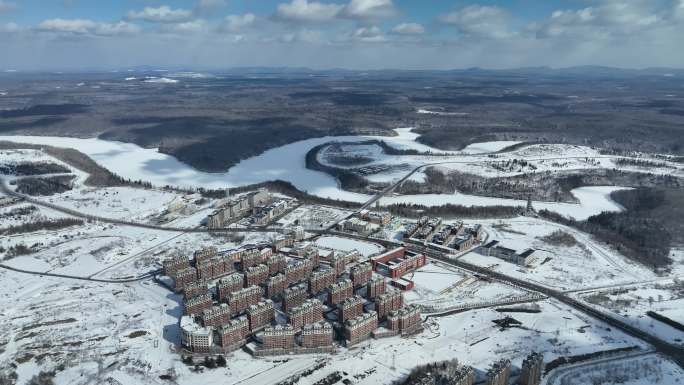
pixel 232 209
pixel 296 299
pixel 432 231
pixel 365 222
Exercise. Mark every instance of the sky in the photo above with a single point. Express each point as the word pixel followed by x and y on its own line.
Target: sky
pixel 353 34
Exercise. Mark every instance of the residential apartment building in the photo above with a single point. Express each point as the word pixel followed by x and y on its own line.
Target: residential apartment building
pixel 317 335
pixel 339 291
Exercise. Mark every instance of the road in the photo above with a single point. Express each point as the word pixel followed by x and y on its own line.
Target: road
pixel 142 277
pixel 4 188
pixel 557 374
pixel 674 352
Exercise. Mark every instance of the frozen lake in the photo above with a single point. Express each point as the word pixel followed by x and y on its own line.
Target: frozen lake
pixel 287 163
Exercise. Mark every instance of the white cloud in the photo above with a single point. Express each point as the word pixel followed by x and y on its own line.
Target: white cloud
pixel 236 23
pixel 188 27
pixel 85 27
pixel 609 19
pixel 6 6
pixel 369 9
pixel 307 11
pixel 482 21
pixel 162 14
pixel 408 29
pixel 371 34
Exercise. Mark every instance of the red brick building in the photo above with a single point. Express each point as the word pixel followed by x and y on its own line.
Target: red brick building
pixel 260 314
pixel 279 337
pixel 320 280
pixel 193 289
pixel 234 332
pixel 184 277
pixel 173 265
pixel 276 264
pixel 361 274
pixel 385 303
pixel 240 300
pixel 256 275
pixel 229 284
pixel 317 335
pixel 339 291
pixel 395 263
pixel 350 308
pixel 311 311
pixel 251 257
pixel 376 286
pixel 205 254
pixel 216 315
pixel 339 264
pixel 294 296
pixel 275 285
pixel 360 328
pixel 406 320
pixel 214 267
pixel 298 271
pixel 198 304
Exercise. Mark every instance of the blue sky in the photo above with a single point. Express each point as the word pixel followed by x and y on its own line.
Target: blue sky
pixel 73 34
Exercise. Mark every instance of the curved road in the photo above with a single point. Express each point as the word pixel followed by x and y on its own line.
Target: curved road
pixel 57 275
pixel 7 191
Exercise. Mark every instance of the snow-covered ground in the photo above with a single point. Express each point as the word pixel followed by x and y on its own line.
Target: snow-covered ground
pixel 592 201
pixel 586 264
pixel 665 297
pixel 479 148
pixel 346 244
pixel 286 163
pixel 441 287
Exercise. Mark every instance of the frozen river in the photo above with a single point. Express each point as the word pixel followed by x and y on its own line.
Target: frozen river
pixel 287 163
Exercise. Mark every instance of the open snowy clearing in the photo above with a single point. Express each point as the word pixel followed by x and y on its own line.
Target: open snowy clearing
pixel 584 265
pixel 366 249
